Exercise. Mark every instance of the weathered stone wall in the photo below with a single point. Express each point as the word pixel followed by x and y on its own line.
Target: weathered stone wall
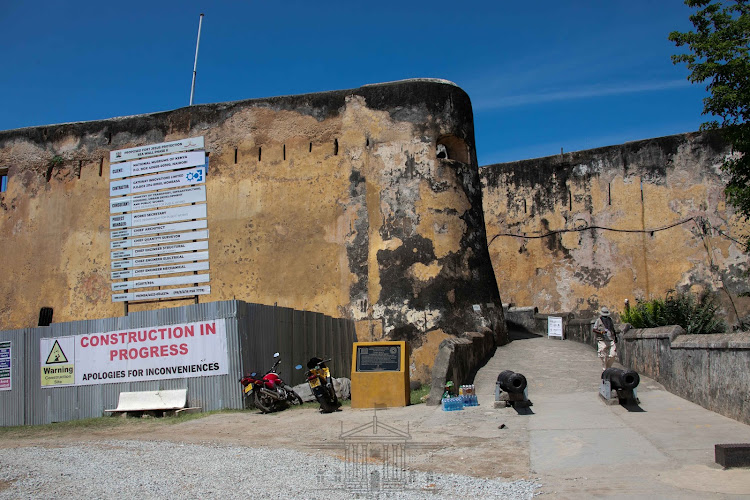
pixel 710 370
pixel 458 361
pixel 520 318
pixel 581 230
pixel 334 202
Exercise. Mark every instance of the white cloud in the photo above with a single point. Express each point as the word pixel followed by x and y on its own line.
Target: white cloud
pixel 488 103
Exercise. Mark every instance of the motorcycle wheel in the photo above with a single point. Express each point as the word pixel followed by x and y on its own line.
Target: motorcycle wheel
pixel 328 404
pixel 293 397
pixel 263 403
pixel 333 398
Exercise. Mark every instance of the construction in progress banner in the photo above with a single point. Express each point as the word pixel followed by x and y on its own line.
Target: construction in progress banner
pixel 172 351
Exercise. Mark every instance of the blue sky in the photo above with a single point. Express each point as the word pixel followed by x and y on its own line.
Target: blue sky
pixel 541 75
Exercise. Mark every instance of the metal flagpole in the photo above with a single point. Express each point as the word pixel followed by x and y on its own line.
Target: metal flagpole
pixel 195 65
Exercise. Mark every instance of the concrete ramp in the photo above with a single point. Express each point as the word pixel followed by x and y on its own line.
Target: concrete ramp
pixel 171 400
pixel 580 447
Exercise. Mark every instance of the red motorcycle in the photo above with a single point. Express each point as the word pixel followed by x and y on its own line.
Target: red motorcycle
pixel 269 393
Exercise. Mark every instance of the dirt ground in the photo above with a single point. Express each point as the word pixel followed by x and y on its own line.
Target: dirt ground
pixel 478 441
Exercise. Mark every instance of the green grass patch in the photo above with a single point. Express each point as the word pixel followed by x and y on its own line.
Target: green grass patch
pixel 101 423
pixel 417 394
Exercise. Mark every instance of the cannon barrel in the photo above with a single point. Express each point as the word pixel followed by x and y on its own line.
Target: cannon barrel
pixel 621 379
pixel 511 382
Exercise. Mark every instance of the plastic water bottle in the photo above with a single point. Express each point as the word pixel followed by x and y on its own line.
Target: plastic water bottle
pixel 453 403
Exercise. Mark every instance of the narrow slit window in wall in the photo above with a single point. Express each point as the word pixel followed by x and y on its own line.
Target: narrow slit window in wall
pixel 235 156
pixel 609 194
pixel 101 166
pixel 310 150
pixel 335 147
pixel 524 206
pixel 283 152
pixel 570 201
pixel 259 153
pixel 45 316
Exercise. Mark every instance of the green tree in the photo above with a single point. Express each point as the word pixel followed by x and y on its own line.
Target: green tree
pixel 718 54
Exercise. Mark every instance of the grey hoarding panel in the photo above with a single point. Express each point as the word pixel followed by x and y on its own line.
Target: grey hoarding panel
pixel 283 334
pixel 300 354
pixel 309 327
pixel 254 333
pixel 12 402
pixel 321 344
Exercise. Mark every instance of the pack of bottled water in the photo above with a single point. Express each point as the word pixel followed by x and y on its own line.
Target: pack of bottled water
pixel 453 404
pixel 468 394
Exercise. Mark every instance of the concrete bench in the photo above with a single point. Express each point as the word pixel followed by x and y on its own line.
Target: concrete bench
pixel 732 455
pixel 165 402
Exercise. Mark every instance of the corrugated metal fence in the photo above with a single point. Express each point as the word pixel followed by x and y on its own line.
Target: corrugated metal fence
pixel 254 333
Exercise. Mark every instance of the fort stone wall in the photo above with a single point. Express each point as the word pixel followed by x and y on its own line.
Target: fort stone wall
pixel 362 203
pixel 581 230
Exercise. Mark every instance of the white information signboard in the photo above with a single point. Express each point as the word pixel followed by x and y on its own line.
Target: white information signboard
pixel 174 280
pixel 158 216
pixel 157 189
pixel 554 326
pixel 174 179
pixel 163 249
pixel 163 148
pixel 172 197
pixel 159 239
pixel 159 228
pixel 158 164
pixel 153 271
pixel 160 260
pixel 162 294
pixel 148 353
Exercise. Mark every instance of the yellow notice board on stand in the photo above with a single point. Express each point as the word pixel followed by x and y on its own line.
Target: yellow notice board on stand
pixel 380 374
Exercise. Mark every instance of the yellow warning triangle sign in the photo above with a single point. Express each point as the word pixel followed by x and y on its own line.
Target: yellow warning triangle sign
pixel 56 355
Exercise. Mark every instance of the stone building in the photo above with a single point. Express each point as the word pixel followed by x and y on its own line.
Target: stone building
pixel 574 232
pixel 368 204
pixel 362 203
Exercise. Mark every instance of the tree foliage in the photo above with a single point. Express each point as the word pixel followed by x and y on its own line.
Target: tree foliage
pixel 693 314
pixel 719 54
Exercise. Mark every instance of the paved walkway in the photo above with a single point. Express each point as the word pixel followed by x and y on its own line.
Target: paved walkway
pixel 582 448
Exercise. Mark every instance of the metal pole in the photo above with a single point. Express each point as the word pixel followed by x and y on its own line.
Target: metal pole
pixel 195 65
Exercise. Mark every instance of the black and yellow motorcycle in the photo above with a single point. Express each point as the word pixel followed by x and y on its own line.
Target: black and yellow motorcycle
pixel 319 379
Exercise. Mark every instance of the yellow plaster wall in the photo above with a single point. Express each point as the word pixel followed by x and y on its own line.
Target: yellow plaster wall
pixel 579 271
pixel 285 216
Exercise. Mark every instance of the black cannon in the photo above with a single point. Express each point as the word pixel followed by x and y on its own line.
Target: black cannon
pixel 618 386
pixel 511 382
pixel 621 379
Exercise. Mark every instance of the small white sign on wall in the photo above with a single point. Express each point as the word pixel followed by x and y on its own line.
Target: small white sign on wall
pixel 554 327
